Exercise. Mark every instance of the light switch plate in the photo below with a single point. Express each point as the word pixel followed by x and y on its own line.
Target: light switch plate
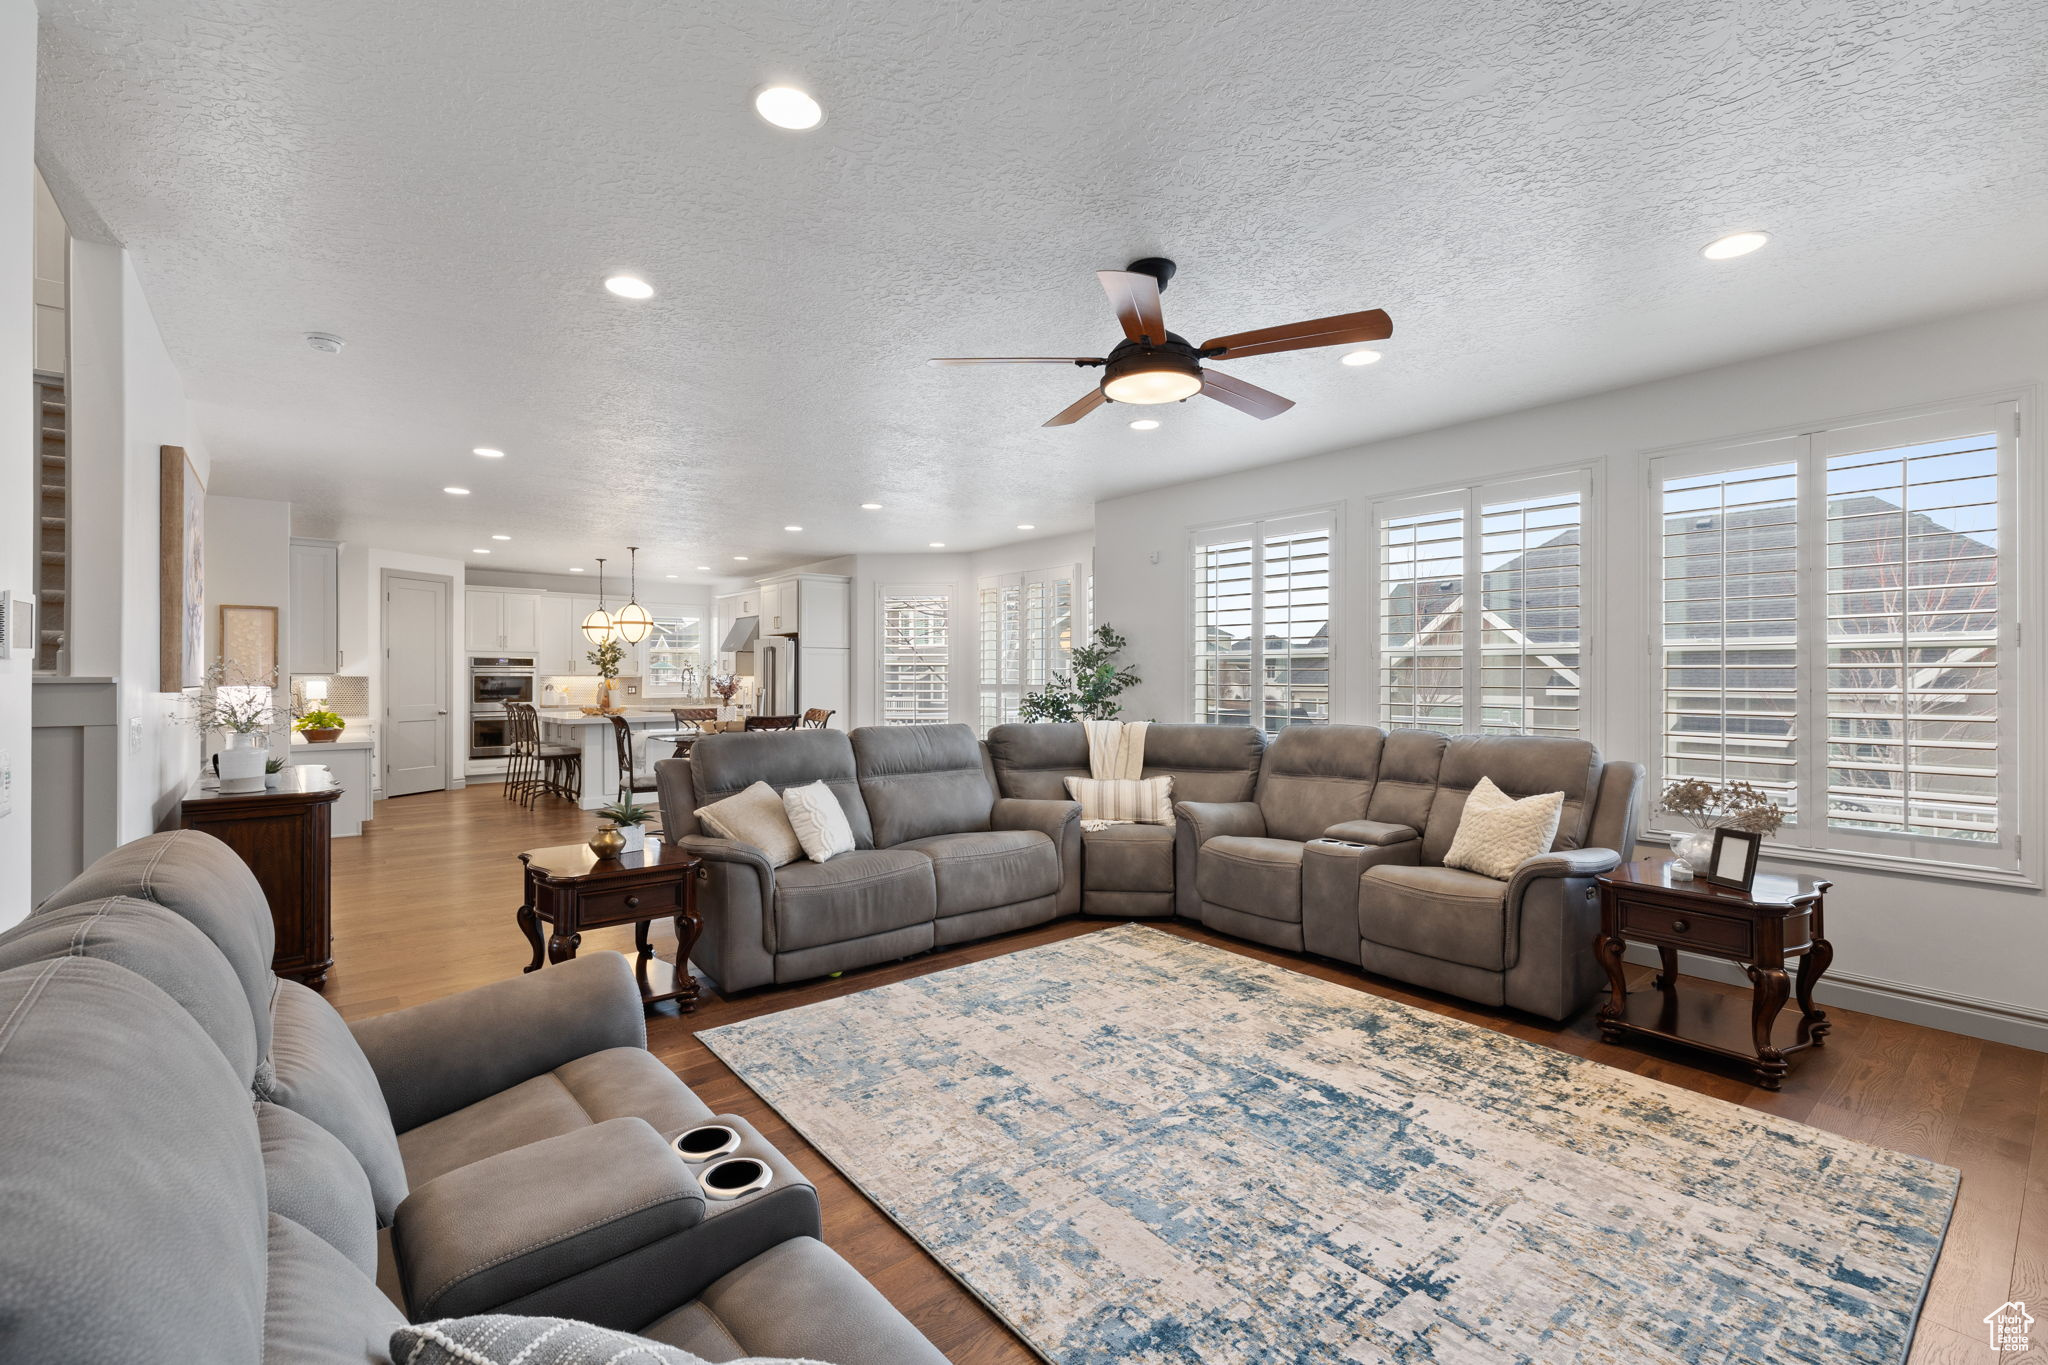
pixel 6 623
pixel 6 784
pixel 134 734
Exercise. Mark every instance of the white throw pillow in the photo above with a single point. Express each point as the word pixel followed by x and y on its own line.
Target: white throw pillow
pixel 819 821
pixel 1143 801
pixel 1496 834
pixel 755 816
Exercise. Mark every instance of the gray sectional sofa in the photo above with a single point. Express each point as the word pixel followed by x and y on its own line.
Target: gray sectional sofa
pixel 1330 840
pixel 196 1156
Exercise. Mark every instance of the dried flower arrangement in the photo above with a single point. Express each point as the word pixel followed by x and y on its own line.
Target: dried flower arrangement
pixel 1728 805
pixel 724 685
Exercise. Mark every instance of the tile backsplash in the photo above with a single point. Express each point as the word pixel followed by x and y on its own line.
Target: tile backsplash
pixel 346 695
pixel 582 691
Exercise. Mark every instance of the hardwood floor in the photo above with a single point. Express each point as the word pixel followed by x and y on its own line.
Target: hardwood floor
pixel 423 908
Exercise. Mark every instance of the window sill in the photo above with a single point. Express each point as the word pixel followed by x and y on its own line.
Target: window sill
pixel 1859 861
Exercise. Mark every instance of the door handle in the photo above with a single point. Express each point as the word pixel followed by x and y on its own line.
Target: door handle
pixel 440 713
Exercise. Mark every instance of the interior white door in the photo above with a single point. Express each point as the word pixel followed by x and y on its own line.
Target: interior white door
pixel 416 684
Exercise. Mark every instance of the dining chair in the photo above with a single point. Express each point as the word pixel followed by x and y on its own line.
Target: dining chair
pixel 817 718
pixel 690 723
pixel 630 785
pixel 773 722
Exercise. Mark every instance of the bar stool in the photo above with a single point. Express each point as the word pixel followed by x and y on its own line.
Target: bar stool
pixel 552 769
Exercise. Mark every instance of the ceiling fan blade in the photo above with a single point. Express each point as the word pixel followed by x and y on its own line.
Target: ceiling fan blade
pixel 1076 411
pixel 1246 398
pixel 1016 360
pixel 1372 325
pixel 1136 300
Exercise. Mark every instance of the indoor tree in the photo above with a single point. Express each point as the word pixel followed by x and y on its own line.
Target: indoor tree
pixel 1088 690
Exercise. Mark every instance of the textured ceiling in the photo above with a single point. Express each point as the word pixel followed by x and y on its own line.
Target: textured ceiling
pixel 1523 185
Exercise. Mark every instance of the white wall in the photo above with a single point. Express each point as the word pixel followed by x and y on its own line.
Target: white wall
pixel 1918 944
pixel 359 621
pixel 249 564
pixel 17 450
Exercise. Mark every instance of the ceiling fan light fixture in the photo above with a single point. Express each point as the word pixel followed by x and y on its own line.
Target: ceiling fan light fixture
pixel 1152 377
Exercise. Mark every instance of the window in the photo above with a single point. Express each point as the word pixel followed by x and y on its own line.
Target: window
pixel 1262 612
pixel 914 656
pixel 1510 663
pixel 1834 632
pixel 672 655
pixel 1027 635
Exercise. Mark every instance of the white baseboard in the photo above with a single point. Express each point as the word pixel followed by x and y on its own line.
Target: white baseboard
pixel 1993 1020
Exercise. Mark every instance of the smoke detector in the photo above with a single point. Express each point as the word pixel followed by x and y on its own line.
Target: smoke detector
pixel 327 343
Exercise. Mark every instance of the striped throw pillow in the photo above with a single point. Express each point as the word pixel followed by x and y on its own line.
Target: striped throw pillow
pixel 1141 801
pixel 819 822
pixel 498 1339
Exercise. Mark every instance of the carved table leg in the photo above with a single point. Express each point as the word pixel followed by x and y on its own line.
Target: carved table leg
pixel 529 925
pixel 688 926
pixel 1609 950
pixel 1771 988
pixel 1667 978
pixel 562 946
pixel 1813 1023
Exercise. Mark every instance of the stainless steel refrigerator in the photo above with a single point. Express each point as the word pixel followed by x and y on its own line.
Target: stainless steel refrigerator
pixel 775 675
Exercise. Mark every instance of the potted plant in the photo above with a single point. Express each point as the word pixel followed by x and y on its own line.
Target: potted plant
pixel 271 768
pixel 628 817
pixel 320 727
pixel 244 710
pixel 1089 689
pixel 605 659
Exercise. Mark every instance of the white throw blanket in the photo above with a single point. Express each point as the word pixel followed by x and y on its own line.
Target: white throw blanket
pixel 1116 752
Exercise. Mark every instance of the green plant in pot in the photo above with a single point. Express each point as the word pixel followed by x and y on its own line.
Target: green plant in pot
pixel 320 727
pixel 606 659
pixel 627 820
pixel 1088 690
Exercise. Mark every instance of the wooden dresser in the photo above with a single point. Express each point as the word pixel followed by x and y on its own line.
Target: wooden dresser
pixel 283 835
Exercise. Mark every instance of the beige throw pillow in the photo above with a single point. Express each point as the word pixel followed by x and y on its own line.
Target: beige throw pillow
pixel 1497 833
pixel 819 821
pixel 1143 801
pixel 755 816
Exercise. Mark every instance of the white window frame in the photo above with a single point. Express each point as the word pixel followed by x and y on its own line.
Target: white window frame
pixel 1329 518
pixel 701 613
pixel 1471 500
pixel 885 591
pixel 1044 656
pixel 2013 859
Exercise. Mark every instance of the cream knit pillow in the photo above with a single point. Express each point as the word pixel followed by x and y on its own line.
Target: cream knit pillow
pixel 1129 800
pixel 755 816
pixel 820 824
pixel 1496 834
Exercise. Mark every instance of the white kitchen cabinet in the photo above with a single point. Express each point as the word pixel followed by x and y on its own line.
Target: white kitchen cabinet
pixel 483 619
pixel 315 607
pixel 500 622
pixel 519 622
pixel 779 607
pixel 553 654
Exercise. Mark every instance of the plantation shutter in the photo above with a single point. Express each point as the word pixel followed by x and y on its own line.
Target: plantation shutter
pixel 915 659
pixel 1262 607
pixel 1027 635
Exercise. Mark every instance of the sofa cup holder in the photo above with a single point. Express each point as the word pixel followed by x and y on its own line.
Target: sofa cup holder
pixel 734 1176
pixel 706 1142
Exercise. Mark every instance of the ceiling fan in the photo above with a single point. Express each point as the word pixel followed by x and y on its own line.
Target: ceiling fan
pixel 1153 365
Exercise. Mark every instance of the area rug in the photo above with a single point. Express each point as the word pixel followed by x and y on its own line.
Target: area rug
pixel 1136 1147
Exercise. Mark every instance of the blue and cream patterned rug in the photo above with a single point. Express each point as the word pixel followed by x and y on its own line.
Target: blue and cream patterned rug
pixel 1136 1147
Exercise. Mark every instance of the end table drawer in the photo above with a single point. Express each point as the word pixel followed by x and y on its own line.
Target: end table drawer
pixel 659 901
pixel 1687 928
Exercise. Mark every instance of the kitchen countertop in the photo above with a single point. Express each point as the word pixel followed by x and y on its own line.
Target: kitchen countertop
pixel 635 715
pixel 349 740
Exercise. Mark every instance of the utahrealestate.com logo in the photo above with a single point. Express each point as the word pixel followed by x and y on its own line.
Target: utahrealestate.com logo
pixel 2008 1326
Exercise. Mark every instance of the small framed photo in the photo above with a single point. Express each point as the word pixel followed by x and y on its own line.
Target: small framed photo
pixel 1733 861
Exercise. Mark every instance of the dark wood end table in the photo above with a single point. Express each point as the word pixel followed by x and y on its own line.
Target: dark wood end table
pixel 1777 918
pixel 284 833
pixel 572 889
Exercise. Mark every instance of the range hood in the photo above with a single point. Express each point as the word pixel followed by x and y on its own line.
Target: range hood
pixel 741 635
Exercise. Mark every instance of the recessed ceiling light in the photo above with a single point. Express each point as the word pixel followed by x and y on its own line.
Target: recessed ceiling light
pixel 488 453
pixel 938 545
pixel 792 528
pixel 1365 357
pixel 1026 526
pixel 871 507
pixel 1733 245
pixel 740 559
pixel 501 537
pixel 703 568
pixel 576 568
pixel 458 492
pixel 479 552
pixel 785 106
pixel 675 575
pixel 1145 424
pixel 630 287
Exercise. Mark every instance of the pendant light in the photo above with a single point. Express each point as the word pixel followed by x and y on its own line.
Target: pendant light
pixel 632 621
pixel 597 627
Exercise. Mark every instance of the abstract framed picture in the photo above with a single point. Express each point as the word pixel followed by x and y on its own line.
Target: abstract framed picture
pixel 181 573
pixel 248 643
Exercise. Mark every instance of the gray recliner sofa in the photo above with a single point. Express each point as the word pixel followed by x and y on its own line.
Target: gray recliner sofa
pixel 196 1156
pixel 1130 870
pixel 1341 854
pixel 939 857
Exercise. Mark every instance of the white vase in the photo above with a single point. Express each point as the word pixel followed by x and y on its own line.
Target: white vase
pixel 635 836
pixel 242 762
pixel 1694 847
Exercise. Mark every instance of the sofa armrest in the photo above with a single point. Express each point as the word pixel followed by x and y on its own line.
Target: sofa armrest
pixel 736 903
pixel 1375 833
pixel 489 1233
pixel 441 1056
pixel 1059 821
pixel 1560 878
pixel 1214 819
pixel 1564 862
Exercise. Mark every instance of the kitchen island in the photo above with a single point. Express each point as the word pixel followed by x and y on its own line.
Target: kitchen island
pixel 591 736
